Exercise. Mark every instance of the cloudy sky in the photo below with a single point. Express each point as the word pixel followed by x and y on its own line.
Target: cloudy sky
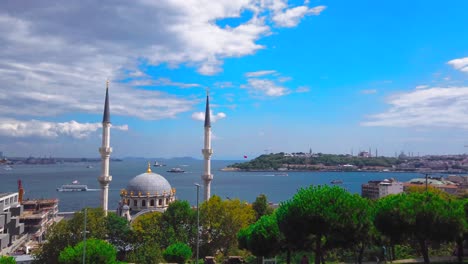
pixel 333 76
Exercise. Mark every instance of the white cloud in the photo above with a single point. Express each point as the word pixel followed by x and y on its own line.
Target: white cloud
pixel 36 128
pixel 200 116
pixel 369 91
pixel 292 16
pixel 57 55
pixel 422 86
pixel 433 107
pixel 460 64
pixel 259 73
pixel 161 82
pixel 265 87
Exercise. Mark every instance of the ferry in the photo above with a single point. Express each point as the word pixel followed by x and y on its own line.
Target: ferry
pixel 336 182
pixel 74 187
pixel 157 164
pixel 176 170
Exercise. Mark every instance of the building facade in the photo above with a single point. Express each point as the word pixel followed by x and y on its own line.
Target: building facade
pixel 379 189
pixel 38 216
pixel 11 230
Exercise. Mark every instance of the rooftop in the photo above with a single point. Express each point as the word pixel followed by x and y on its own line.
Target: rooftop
pixel 5 194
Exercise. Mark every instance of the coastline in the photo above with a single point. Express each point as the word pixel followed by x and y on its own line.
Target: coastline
pixel 231 169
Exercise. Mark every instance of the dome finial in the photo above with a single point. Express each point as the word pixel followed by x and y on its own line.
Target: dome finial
pixel 149 168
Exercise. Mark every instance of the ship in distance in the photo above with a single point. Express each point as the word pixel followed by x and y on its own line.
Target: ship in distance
pixel 176 170
pixel 157 164
pixel 336 182
pixel 75 186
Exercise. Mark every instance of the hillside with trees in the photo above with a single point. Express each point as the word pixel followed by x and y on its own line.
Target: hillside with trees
pixel 302 161
pixel 299 161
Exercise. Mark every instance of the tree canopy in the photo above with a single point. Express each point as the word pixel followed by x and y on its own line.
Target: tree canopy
pixel 97 252
pixel 317 212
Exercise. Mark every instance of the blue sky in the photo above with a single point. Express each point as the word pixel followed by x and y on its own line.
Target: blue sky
pixel 333 76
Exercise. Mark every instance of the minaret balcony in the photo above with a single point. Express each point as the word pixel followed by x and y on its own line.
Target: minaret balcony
pixel 207 152
pixel 105 151
pixel 207 177
pixel 105 179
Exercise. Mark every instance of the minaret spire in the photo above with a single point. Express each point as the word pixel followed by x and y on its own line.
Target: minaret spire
pixel 207 151
pixel 207 110
pixel 106 115
pixel 105 150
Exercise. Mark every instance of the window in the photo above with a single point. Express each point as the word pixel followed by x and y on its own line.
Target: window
pixel 143 203
pixel 160 202
pixel 152 202
pixel 167 201
pixel 135 203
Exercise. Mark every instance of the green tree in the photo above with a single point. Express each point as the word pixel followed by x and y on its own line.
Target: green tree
pixel 221 221
pixel 421 216
pixel 147 228
pixel 178 252
pixel 119 233
pixel 261 207
pixel 262 238
pixel 57 238
pixel 69 233
pixel 97 252
pixel 145 253
pixel 95 223
pixel 178 224
pixel 7 260
pixel 316 213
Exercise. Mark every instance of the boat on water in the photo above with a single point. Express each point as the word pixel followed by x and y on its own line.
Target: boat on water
pixel 75 186
pixel 281 174
pixel 7 167
pixel 89 167
pixel 157 164
pixel 176 170
pixel 336 182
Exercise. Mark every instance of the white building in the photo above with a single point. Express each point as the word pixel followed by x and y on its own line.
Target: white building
pixel 379 189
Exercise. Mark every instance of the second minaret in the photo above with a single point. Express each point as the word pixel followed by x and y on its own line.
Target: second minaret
pixel 207 151
pixel 105 150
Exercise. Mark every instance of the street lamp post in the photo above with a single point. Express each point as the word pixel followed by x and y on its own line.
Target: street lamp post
pixel 84 238
pixel 198 220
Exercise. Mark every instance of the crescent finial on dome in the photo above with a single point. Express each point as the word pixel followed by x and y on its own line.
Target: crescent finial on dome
pixel 149 168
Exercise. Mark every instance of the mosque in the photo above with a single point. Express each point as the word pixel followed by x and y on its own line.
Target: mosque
pixel 149 191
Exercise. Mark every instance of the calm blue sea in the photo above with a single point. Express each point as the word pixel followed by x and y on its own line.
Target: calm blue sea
pixel 41 181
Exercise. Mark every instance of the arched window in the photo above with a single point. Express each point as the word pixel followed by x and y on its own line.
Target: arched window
pixel 152 202
pixel 167 201
pixel 135 203
pixel 143 203
pixel 160 202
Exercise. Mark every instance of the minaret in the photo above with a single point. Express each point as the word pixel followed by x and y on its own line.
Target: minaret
pixel 105 151
pixel 207 151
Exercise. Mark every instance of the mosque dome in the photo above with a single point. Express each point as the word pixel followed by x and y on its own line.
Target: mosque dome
pixel 149 182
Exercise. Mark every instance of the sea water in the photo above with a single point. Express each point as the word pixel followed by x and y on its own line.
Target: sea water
pixel 41 181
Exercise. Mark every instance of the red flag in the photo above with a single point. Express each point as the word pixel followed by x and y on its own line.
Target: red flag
pixel 245 156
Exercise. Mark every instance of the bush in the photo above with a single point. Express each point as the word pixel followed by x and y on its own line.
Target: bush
pixel 178 252
pixel 7 260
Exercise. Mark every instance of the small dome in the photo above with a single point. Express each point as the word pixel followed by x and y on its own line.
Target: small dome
pixel 149 182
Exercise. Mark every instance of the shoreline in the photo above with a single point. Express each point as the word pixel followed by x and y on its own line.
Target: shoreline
pixel 229 169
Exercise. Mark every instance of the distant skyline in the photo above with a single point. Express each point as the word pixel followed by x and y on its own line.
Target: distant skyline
pixel 331 76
